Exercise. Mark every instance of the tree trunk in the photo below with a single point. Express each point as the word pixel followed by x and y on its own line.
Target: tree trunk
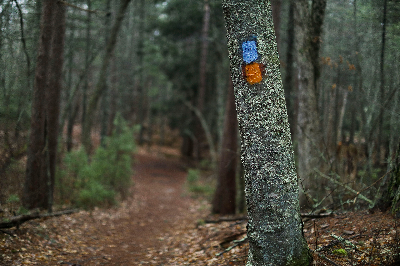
pixel 101 84
pixel 308 28
pixel 290 92
pixel 382 85
pixel 224 201
pixel 36 192
pixel 274 226
pixel 53 93
pixel 199 133
pixel 87 63
pixel 276 15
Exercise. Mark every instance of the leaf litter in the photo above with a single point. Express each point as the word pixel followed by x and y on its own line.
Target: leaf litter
pixel 160 224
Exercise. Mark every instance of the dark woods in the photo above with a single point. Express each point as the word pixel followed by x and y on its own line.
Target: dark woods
pixel 71 69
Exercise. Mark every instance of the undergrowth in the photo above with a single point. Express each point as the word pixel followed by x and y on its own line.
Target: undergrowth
pixel 198 185
pixel 102 179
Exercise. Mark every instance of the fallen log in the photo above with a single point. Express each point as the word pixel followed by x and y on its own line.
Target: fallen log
pixel 16 221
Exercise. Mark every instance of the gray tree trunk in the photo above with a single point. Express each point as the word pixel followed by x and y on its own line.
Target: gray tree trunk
pixel 274 226
pixel 308 33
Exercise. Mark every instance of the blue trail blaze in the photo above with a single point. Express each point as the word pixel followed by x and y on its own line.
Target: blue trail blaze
pixel 249 51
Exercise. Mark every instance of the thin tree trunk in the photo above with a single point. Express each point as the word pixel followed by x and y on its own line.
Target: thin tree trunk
pixel 105 99
pixel 274 225
pixel 142 93
pixel 224 201
pixel 290 92
pixel 87 63
pixel 53 94
pixel 199 133
pixel 382 84
pixel 101 84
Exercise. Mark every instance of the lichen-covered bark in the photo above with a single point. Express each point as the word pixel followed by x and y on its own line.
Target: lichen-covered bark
pixel 274 227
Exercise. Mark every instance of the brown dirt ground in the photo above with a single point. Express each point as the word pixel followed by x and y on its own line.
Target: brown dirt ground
pixel 124 235
pixel 161 225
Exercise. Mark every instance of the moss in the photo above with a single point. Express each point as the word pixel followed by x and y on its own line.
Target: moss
pixel 304 260
pixel 340 252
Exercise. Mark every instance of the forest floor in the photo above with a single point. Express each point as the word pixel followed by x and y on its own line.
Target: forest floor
pixel 161 224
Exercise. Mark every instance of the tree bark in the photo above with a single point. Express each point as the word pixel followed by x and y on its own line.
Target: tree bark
pixel 199 133
pixel 274 227
pixel 382 84
pixel 224 201
pixel 53 94
pixel 276 15
pixel 308 27
pixel 36 192
pixel 289 86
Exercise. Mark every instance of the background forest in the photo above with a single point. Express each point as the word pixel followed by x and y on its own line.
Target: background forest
pixel 164 66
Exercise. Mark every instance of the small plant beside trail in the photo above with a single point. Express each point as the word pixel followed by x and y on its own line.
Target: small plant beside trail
pixel 98 181
pixel 197 185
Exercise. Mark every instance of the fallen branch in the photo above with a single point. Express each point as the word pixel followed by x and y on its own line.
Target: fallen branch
pixel 236 243
pixel 16 221
pixel 316 215
pixel 244 218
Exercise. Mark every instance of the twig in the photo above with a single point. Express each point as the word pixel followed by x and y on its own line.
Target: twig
pixel 344 241
pixel 236 243
pixel 226 219
pixel 316 215
pixel 372 184
pixel 345 186
pixel 326 259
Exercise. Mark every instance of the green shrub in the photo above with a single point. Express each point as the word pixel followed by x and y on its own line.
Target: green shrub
pixel 97 182
pixel 95 194
pixel 196 186
pixel 13 198
pixel 193 176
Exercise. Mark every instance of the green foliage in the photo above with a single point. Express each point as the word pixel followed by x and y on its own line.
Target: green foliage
pixel 97 182
pixel 193 176
pixel 95 194
pixel 197 186
pixel 13 198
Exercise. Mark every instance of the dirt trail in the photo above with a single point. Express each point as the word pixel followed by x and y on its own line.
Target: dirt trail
pixel 126 235
pixel 137 232
pixel 156 208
